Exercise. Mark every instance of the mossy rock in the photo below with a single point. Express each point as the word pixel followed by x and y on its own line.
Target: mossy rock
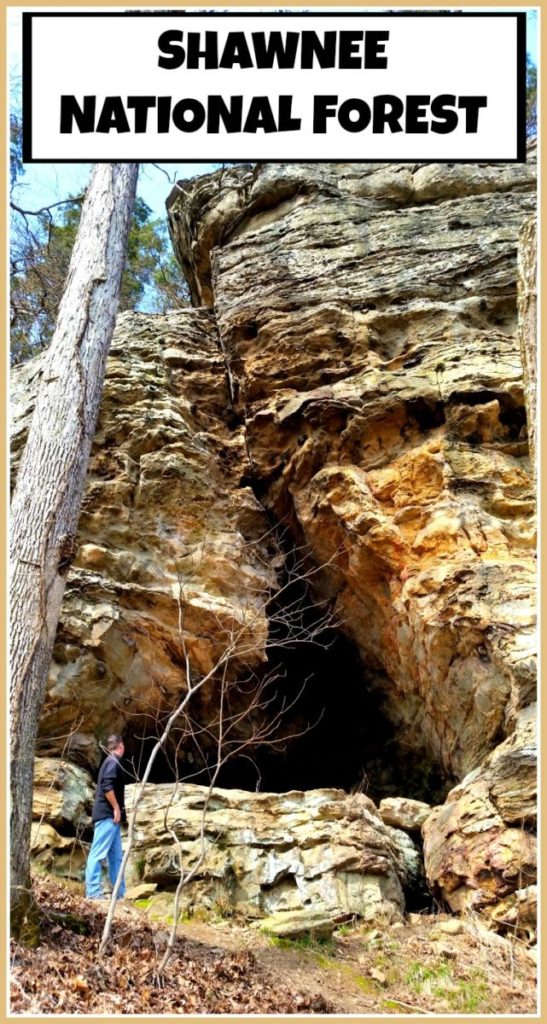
pixel 298 924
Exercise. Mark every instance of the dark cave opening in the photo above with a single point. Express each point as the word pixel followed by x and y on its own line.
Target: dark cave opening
pixel 345 742
pixel 335 734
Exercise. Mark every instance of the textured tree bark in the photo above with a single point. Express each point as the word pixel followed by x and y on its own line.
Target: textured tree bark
pixel 50 482
pixel 527 327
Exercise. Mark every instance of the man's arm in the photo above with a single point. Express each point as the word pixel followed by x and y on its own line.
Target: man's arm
pixel 111 797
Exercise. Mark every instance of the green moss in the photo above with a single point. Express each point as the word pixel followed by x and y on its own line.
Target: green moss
pixel 364 983
pixel 25 918
pixel 393 1004
pixel 142 904
pixel 307 943
pixel 186 917
pixel 140 865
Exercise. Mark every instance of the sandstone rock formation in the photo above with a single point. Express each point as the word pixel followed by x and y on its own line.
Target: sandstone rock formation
pixel 266 852
pixel 369 319
pixel 62 800
pixel 409 815
pixel 481 844
pixel 527 326
pixel 263 853
pixel 62 794
pixel 167 529
pixel 353 374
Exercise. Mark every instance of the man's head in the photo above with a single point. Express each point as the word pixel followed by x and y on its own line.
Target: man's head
pixel 115 744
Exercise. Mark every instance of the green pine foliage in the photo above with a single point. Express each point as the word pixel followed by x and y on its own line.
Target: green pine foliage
pixel 41 244
pixel 40 256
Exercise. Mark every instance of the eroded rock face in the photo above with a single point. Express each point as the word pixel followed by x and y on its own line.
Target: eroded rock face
pixel 61 816
pixel 263 853
pixel 62 794
pixel 369 319
pixel 481 845
pixel 268 852
pixel 168 534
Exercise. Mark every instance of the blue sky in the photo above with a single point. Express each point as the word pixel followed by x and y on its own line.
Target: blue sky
pixel 47 183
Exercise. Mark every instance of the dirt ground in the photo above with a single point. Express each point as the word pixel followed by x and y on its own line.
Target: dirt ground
pixel 223 966
pixel 417 968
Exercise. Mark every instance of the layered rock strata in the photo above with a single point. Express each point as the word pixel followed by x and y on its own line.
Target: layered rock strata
pixel 257 853
pixel 369 319
pixel 173 556
pixel 353 374
pixel 480 846
pixel 269 852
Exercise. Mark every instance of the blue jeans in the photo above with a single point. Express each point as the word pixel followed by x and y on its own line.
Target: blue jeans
pixel 107 842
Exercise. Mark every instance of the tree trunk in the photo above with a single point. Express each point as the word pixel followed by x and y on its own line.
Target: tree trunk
pixel 527 328
pixel 50 482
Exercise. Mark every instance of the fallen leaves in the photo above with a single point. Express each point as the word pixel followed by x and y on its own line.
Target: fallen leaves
pixel 64 975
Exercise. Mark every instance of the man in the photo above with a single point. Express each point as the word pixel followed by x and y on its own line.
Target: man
pixel 107 815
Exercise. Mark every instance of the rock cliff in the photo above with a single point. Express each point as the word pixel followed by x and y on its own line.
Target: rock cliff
pixel 168 529
pixel 369 321
pixel 350 373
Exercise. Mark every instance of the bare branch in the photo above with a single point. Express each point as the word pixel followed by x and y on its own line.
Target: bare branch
pixel 248 708
pixel 45 209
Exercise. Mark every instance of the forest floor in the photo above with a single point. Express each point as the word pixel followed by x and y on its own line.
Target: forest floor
pixel 426 965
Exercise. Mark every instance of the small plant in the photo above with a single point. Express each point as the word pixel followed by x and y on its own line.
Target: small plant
pixel 462 995
pixel 470 995
pixel 309 943
pixel 140 867
pixel 348 927
pixel 344 929
pixel 222 905
pixel 428 980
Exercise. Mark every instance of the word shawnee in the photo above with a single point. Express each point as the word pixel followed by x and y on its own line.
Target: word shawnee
pixel 353 49
pixel 380 114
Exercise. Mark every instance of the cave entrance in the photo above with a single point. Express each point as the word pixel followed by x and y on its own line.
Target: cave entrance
pixel 338 734
pixel 335 735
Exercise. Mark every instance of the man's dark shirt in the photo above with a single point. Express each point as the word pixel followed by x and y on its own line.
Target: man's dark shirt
pixel 110 778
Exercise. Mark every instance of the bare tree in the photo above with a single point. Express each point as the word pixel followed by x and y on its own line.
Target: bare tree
pixel 50 483
pixel 293 618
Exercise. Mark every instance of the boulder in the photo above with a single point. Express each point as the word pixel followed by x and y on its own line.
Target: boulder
pixel 267 853
pixel 141 892
pixel 298 924
pixel 404 813
pixel 57 854
pixel 480 846
pixel 63 794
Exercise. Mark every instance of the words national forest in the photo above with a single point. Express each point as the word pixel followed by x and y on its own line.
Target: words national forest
pixel 294 668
